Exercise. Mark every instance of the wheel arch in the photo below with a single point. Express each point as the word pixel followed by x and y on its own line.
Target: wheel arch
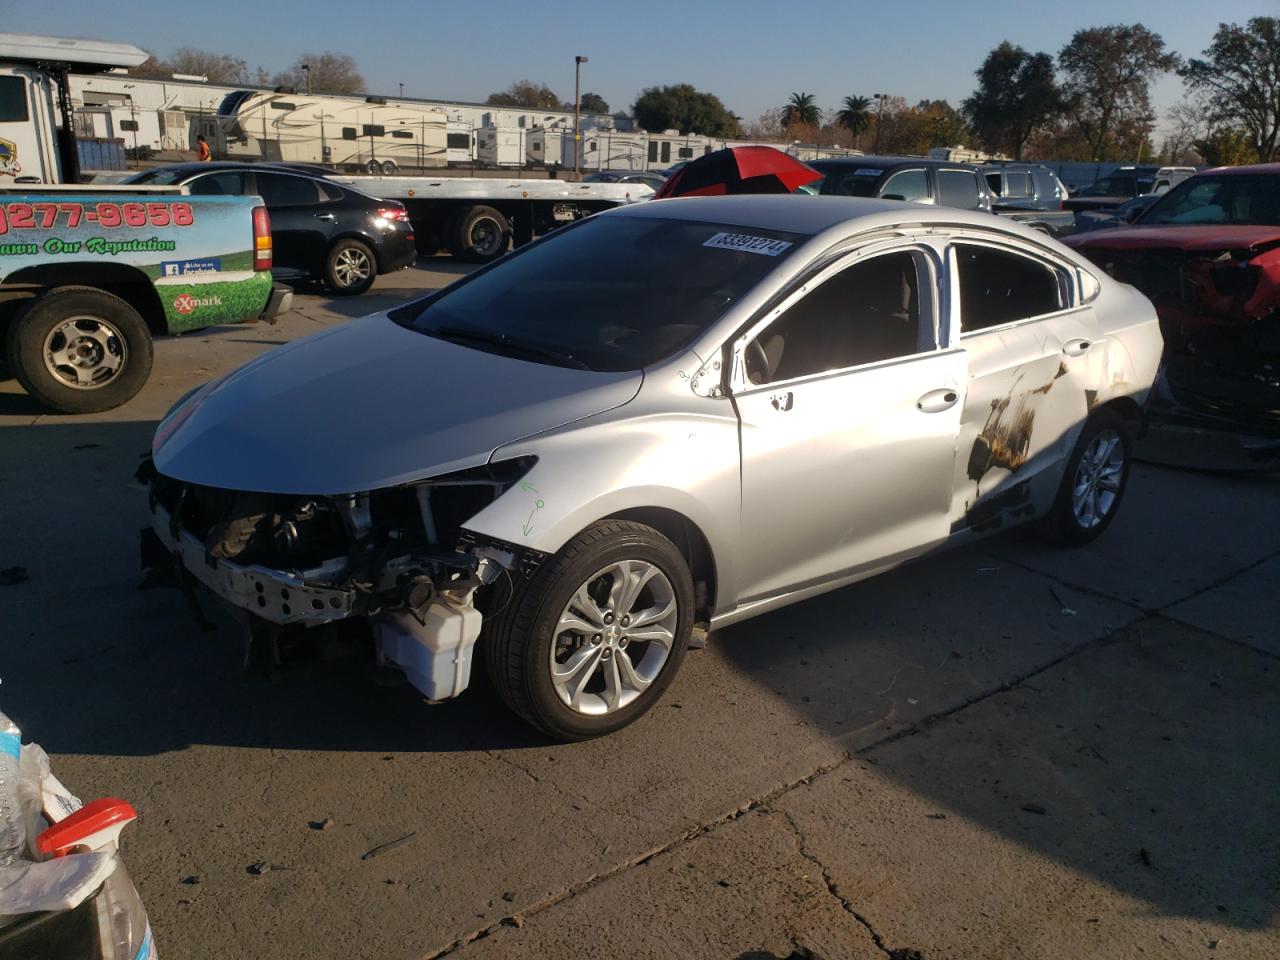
pixel 127 282
pixel 692 544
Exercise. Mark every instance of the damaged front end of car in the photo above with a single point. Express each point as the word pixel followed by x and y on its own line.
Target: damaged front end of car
pixel 398 559
pixel 1216 402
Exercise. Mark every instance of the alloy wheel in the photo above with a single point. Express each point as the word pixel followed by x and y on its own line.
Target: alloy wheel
pixel 1097 480
pixel 351 267
pixel 85 352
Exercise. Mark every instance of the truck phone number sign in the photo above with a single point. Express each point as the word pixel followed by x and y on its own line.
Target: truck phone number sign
pixel 108 216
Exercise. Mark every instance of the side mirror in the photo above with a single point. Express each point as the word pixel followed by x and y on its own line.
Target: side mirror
pixel 1133 213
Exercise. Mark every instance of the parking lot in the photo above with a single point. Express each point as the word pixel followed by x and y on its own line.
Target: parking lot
pixel 1007 750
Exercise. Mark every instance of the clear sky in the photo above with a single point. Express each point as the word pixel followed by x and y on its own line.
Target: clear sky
pixel 752 54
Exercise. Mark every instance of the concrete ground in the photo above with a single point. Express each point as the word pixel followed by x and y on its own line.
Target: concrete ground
pixel 1004 751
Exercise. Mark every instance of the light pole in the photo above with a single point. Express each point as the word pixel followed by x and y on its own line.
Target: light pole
pixel 882 97
pixel 577 113
pixel 402 91
pixel 306 68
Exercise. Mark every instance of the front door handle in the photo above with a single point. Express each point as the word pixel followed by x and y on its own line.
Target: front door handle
pixel 326 216
pixel 1076 347
pixel 781 401
pixel 935 401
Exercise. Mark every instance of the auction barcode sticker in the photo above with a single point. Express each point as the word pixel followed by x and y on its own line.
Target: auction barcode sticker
pixel 745 242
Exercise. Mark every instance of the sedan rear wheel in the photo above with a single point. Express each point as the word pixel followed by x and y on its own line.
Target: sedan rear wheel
pixel 350 267
pixel 596 636
pixel 1093 482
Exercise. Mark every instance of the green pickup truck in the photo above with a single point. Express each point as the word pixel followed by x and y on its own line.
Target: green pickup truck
pixel 88 275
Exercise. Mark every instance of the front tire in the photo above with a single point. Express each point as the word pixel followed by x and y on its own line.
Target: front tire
pixel 80 350
pixel 1093 483
pixel 350 268
pixel 596 636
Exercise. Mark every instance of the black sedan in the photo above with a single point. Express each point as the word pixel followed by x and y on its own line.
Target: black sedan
pixel 320 230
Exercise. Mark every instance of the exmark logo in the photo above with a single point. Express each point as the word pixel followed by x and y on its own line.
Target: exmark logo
pixel 185 303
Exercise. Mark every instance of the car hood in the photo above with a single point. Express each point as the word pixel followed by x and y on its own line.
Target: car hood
pixel 1208 238
pixel 367 405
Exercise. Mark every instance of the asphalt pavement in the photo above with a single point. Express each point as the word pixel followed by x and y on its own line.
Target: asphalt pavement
pixel 1009 750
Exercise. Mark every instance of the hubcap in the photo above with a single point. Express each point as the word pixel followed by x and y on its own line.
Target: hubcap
pixel 486 235
pixel 351 267
pixel 85 352
pixel 1097 480
pixel 614 637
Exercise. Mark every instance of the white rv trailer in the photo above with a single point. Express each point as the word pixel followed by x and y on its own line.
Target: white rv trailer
pixel 341 133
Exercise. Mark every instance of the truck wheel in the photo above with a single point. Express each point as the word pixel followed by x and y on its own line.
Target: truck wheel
pixel 590 643
pixel 80 350
pixel 480 234
pixel 350 268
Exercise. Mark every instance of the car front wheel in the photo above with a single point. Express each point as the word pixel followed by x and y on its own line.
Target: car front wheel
pixel 1093 483
pixel 596 635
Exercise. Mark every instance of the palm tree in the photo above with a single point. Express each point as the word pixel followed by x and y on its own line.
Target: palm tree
pixel 802 108
pixel 855 117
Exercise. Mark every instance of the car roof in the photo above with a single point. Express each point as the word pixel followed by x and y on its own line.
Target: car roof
pixel 791 213
pixel 1255 168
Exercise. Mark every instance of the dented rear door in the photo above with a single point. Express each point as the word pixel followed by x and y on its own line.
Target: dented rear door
pixel 1028 343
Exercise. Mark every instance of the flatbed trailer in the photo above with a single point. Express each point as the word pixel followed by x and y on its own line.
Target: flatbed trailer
pixel 477 218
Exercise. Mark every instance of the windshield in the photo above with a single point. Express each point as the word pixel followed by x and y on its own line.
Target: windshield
pixel 1227 198
pixel 614 293
pixel 1112 187
pixel 846 181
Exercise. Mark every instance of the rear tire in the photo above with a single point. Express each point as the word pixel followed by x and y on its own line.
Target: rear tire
pixel 350 268
pixel 1093 482
pixel 79 350
pixel 578 609
pixel 388 168
pixel 479 235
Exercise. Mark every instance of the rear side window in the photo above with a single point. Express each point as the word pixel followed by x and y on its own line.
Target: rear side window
pixel 864 314
pixel 284 191
pixel 1017 185
pixel 907 184
pixel 1046 183
pixel 227 184
pixel 13 100
pixel 958 188
pixel 993 181
pixel 998 287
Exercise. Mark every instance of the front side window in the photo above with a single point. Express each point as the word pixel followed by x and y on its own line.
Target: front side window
pixel 866 313
pixel 907 184
pixel 844 181
pixel 998 287
pixel 610 294
pixel 958 188
pixel 13 100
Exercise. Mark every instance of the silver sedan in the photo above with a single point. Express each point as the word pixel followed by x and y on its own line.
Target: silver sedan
pixel 679 414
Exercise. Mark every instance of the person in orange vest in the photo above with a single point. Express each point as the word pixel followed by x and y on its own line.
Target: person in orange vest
pixel 202 148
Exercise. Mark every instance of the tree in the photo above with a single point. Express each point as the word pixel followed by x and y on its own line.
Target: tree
pixel 1240 77
pixel 801 110
pixel 526 93
pixel 593 103
pixel 855 116
pixel 1108 73
pixel 216 67
pixel 1016 95
pixel 1227 147
pixel 330 73
pixel 684 108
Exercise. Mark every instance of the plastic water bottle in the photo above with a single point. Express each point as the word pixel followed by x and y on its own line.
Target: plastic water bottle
pixel 13 839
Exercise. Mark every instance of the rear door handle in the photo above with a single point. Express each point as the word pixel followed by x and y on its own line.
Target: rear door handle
pixel 935 401
pixel 781 401
pixel 1076 347
pixel 326 216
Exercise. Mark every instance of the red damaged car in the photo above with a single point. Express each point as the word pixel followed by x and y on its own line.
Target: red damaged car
pixel 1208 255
